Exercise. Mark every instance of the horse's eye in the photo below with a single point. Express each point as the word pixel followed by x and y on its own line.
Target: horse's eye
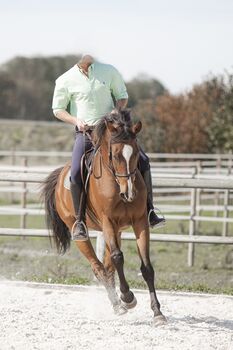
pixel 116 157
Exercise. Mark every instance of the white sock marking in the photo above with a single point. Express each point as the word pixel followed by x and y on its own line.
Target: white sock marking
pixel 127 153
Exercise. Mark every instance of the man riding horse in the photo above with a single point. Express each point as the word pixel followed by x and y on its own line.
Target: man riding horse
pixel 89 89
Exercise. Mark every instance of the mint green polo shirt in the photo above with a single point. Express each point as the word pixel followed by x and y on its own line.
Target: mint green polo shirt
pixel 89 97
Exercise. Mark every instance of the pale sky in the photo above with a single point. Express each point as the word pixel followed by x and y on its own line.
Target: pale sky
pixel 178 42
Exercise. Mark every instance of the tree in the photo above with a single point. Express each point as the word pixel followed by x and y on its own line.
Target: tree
pixel 220 130
pixel 9 100
pixel 200 120
pixel 143 87
pixel 33 80
pixel 152 135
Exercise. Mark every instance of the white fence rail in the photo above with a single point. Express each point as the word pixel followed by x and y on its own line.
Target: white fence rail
pixel 178 182
pixel 198 156
pixel 126 235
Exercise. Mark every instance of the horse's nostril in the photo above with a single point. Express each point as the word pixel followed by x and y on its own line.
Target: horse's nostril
pixel 124 196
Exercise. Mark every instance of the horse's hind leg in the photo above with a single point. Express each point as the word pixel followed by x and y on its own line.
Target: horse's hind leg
pixel 142 235
pixel 98 268
pixel 100 246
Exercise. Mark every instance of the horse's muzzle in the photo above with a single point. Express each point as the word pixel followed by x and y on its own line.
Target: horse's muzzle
pixel 124 196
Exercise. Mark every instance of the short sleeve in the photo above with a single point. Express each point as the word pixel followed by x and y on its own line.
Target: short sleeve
pixel 117 86
pixel 61 97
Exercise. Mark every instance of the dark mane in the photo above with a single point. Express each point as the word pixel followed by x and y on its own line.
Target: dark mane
pixel 122 123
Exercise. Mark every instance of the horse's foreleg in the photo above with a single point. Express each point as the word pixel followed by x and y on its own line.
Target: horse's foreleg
pixel 98 269
pixel 117 259
pixel 110 272
pixel 109 268
pixel 141 230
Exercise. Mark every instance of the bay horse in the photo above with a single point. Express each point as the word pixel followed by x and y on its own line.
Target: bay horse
pixel 116 199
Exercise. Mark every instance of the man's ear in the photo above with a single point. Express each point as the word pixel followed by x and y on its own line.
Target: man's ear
pixel 110 126
pixel 136 128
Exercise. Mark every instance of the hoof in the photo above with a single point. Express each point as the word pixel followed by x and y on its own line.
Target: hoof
pixel 120 310
pixel 130 305
pixel 160 320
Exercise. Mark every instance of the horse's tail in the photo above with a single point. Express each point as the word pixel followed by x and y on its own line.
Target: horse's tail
pixel 55 224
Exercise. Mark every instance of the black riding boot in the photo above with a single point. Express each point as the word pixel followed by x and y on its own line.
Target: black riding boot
pixel 153 219
pixel 79 230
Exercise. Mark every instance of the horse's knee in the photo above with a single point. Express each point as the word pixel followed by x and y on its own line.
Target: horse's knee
pixel 117 258
pixel 99 272
pixel 147 272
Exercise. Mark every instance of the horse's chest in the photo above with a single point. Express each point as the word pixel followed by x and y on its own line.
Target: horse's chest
pixel 122 213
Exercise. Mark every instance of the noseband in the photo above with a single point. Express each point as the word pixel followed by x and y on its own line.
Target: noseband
pixel 128 175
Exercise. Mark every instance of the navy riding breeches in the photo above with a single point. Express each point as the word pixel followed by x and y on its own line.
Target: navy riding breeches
pixel 144 162
pixel 83 144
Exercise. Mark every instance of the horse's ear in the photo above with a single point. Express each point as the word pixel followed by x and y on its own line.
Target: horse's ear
pixel 136 128
pixel 110 126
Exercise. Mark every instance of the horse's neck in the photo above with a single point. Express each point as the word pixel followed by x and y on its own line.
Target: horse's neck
pixel 100 163
pixel 105 150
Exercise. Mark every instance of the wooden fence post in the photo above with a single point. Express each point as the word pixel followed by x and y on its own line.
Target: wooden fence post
pixel 13 158
pixel 192 224
pixel 198 211
pixel 226 200
pixel 217 194
pixel 24 198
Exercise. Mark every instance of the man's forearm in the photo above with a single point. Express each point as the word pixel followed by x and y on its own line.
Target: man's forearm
pixel 121 104
pixel 65 117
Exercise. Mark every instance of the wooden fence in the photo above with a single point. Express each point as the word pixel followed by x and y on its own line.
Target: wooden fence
pixel 195 183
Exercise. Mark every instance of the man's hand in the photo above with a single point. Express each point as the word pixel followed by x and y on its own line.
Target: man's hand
pixel 81 125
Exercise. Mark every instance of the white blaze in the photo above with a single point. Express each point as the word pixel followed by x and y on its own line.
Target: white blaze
pixel 127 153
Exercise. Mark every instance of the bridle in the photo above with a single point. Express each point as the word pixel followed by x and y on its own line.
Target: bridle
pixel 111 168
